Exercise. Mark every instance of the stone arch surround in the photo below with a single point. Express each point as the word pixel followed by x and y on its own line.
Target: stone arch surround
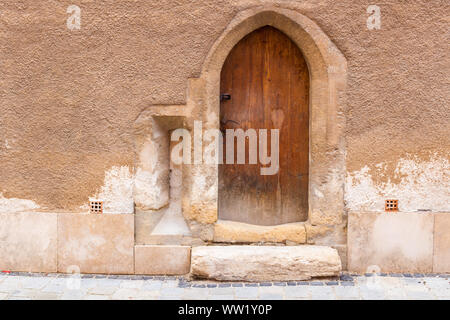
pixel 326 222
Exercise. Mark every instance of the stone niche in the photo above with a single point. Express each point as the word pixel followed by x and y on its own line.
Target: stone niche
pixel 198 194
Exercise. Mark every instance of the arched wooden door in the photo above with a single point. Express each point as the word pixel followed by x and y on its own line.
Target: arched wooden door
pixel 267 79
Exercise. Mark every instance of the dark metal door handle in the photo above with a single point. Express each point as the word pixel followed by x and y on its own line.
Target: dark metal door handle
pixel 225 96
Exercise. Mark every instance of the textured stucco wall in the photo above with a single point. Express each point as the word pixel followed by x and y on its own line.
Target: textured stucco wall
pixel 69 99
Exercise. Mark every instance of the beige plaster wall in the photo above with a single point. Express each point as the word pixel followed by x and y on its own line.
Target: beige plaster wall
pixel 69 99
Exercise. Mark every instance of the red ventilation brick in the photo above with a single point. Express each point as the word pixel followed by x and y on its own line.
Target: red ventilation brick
pixel 391 205
pixel 96 206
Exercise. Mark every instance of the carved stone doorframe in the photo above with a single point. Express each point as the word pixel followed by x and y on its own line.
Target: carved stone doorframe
pixel 328 71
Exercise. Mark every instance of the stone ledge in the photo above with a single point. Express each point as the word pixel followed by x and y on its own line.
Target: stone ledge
pixel 264 263
pixel 162 260
pixel 238 232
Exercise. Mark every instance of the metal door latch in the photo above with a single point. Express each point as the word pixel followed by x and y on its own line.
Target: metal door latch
pixel 225 96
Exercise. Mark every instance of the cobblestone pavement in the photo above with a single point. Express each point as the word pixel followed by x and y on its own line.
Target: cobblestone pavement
pixel 19 286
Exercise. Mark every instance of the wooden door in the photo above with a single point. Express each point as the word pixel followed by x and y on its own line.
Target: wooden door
pixel 268 81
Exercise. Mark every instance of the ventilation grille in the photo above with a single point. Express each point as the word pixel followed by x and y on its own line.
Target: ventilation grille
pixel 96 206
pixel 391 205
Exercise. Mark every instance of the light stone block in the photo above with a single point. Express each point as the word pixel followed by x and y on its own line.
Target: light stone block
pixel 264 263
pixel 28 241
pixel 390 242
pixel 96 243
pixel 166 260
pixel 441 259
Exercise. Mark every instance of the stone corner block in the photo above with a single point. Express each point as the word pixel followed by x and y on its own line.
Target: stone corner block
pixel 96 243
pixel 390 242
pixel 28 241
pixel 162 260
pixel 264 263
pixel 441 258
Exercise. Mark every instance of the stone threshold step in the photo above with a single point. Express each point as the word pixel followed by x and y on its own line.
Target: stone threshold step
pixel 264 263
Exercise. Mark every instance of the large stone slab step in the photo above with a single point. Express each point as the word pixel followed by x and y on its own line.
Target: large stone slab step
pixel 264 263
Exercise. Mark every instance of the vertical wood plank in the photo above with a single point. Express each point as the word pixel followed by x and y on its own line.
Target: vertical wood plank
pixel 268 80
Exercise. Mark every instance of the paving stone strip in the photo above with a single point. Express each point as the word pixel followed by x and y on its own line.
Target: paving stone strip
pixel 49 286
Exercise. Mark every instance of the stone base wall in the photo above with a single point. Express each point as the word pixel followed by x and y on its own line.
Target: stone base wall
pixel 67 242
pixel 105 243
pixel 83 243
